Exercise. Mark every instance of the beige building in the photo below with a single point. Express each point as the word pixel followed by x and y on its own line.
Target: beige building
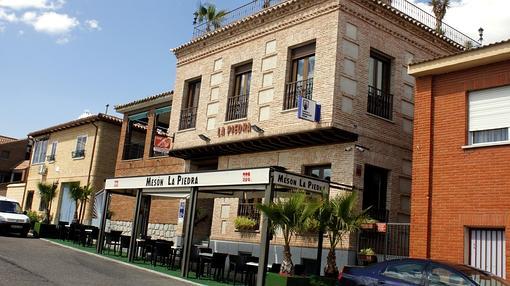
pixel 82 151
pixel 237 93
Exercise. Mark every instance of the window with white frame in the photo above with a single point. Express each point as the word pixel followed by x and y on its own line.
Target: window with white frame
pixel 53 151
pixel 79 152
pixel 489 115
pixel 40 151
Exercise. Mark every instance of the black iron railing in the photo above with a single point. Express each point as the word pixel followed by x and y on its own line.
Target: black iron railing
pixel 380 103
pixel 133 151
pixel 188 118
pixel 249 210
pixel 302 88
pixel 78 154
pixel 404 6
pixel 50 158
pixel 389 242
pixel 237 107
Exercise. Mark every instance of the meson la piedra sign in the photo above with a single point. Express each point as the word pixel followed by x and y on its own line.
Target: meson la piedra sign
pixel 234 129
pixel 179 180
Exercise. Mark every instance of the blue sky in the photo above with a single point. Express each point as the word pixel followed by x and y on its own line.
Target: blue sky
pixel 61 57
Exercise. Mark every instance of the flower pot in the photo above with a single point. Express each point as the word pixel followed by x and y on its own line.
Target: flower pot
pixel 45 230
pixel 367 259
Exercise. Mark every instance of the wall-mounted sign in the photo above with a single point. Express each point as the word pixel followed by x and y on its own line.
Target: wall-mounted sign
pixel 234 129
pixel 299 182
pixel 162 144
pixel 309 109
pixel 182 207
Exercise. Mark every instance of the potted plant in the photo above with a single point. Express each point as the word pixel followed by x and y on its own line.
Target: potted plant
pixel 244 223
pixel 288 215
pixel 34 217
pixel 47 192
pixel 367 256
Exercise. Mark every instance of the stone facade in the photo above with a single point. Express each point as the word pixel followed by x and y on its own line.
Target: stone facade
pixel 154 230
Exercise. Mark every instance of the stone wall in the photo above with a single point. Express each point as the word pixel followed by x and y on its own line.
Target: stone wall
pixel 155 230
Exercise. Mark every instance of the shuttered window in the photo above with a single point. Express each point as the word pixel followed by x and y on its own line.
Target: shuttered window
pixel 489 115
pixel 487 250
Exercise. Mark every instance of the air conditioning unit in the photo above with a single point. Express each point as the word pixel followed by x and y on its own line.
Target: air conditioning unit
pixel 43 170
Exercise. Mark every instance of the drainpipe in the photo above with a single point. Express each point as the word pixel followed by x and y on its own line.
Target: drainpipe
pixel 27 173
pixel 91 162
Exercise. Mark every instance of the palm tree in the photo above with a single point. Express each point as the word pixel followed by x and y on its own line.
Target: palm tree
pixel 47 192
pixel 86 192
pixel 289 215
pixel 208 14
pixel 439 8
pixel 76 193
pixel 339 217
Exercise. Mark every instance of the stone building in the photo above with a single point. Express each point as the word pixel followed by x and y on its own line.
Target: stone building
pixel 13 165
pixel 461 198
pixel 81 151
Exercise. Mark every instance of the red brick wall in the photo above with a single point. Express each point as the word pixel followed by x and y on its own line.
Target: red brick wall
pixel 466 187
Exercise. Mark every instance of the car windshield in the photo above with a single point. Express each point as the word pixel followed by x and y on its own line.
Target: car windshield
pixel 481 277
pixel 10 207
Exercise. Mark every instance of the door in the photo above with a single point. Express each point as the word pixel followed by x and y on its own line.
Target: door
pixel 67 205
pixel 374 191
pixel 487 250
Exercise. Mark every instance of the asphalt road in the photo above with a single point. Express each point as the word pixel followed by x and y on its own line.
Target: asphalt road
pixel 28 261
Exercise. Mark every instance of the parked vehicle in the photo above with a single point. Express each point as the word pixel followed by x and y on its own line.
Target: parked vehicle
pixel 12 219
pixel 421 272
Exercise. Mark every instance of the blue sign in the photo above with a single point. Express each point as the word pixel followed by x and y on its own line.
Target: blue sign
pixel 309 109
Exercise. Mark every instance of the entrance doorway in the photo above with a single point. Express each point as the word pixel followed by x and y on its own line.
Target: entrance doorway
pixel 67 204
pixel 375 191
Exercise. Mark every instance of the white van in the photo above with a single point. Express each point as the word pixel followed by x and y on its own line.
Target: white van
pixel 12 218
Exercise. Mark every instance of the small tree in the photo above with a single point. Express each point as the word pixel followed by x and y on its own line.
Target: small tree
pixel 47 192
pixel 207 13
pixel 75 192
pixel 86 192
pixel 439 8
pixel 339 217
pixel 289 215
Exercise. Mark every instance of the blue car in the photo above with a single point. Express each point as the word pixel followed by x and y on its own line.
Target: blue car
pixel 417 272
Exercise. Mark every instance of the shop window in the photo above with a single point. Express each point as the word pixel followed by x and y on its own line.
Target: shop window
pixel 322 172
pixel 380 101
pixel 190 105
pixel 301 75
pixel 136 133
pixel 237 103
pixel 488 115
pixel 161 143
pixel 248 208
pixel 79 150
pixel 40 151
pixel 29 200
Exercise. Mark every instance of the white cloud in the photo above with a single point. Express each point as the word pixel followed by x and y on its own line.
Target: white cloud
pixel 28 17
pixel 8 17
pixel 63 40
pixel 93 24
pixel 54 23
pixel 32 4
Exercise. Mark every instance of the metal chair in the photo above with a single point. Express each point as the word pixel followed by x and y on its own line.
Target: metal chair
pixel 113 239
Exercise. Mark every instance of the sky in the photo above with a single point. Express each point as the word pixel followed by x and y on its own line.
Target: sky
pixel 59 58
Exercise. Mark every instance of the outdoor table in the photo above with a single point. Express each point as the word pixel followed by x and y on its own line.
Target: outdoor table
pixel 203 258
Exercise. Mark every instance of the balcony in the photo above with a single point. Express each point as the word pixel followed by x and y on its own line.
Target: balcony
pixel 412 13
pixel 237 107
pixel 380 103
pixel 133 151
pixel 249 210
pixel 78 154
pixel 50 158
pixel 302 88
pixel 188 118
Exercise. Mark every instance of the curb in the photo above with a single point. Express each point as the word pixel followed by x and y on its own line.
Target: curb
pixel 125 263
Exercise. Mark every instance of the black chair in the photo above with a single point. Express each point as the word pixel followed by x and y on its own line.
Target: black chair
pixel 162 251
pixel 218 265
pixel 113 239
pixel 204 260
pixel 148 248
pixel 62 230
pixel 251 271
pixel 124 243
pixel 275 268
pixel 310 266
pixel 236 263
pixel 299 269
pixel 175 254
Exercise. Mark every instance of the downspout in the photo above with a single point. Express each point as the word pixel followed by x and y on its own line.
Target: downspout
pixel 84 209
pixel 30 140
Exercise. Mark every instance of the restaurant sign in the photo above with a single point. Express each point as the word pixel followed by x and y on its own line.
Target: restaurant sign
pixel 309 109
pixel 299 182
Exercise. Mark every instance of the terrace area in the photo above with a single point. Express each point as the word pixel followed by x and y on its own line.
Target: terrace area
pixel 403 8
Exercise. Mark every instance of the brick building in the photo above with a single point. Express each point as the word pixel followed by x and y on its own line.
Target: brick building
pixel 460 197
pixel 13 154
pixel 76 152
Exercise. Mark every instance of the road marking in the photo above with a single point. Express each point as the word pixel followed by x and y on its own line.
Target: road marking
pixel 124 263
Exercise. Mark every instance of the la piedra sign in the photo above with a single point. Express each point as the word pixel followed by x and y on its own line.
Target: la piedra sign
pixel 299 182
pixel 234 129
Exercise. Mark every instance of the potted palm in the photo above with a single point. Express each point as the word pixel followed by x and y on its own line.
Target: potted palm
pixel 367 256
pixel 47 192
pixel 288 215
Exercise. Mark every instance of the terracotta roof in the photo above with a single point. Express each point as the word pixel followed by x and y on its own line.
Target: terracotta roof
pixel 289 2
pixel 147 99
pixel 5 139
pixel 78 122
pixel 23 165
pixel 462 52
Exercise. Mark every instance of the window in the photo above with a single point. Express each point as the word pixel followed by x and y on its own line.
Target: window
pixel 5 155
pixel 17 176
pixel 440 276
pixel 42 205
pixel 189 105
pixel 237 105
pixel 489 115
pixel 321 172
pixel 375 191
pixel 79 151
pixel 161 143
pixel 136 132
pixel 40 151
pixel 53 151
pixel 248 208
pixel 29 200
pixel 301 75
pixel 408 272
pixel 380 101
